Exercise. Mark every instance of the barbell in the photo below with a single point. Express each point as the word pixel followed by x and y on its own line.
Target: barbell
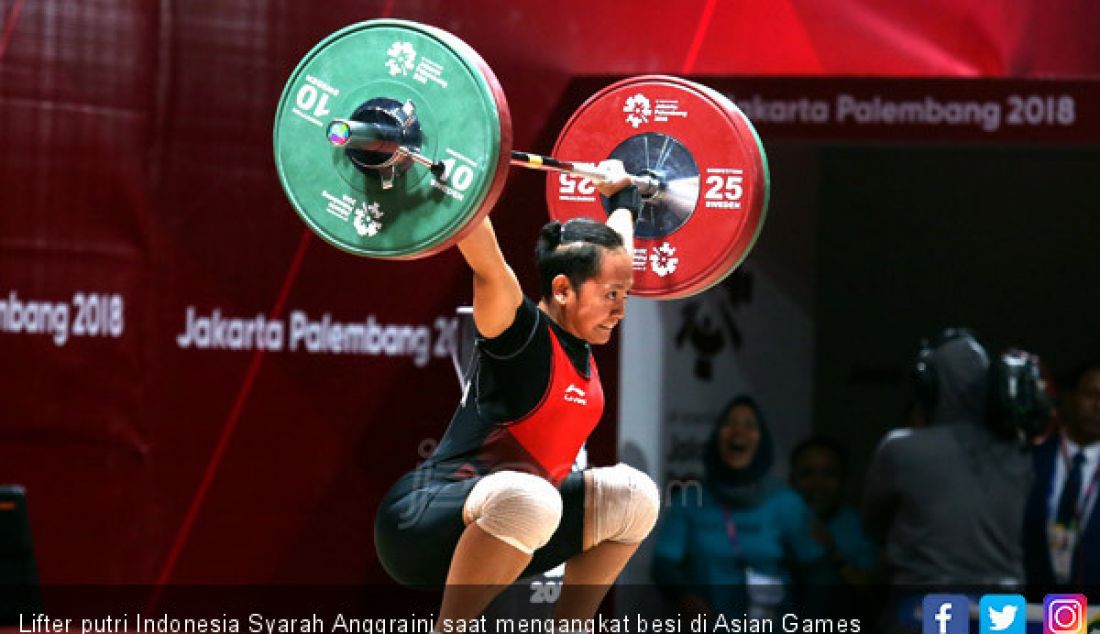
pixel 392 139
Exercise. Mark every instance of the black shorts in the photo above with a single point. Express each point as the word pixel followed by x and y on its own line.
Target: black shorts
pixel 420 520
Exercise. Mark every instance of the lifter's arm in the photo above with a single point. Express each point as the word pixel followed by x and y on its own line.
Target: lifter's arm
pixel 497 293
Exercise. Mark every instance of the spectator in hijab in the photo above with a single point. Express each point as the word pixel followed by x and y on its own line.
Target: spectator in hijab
pixel 726 548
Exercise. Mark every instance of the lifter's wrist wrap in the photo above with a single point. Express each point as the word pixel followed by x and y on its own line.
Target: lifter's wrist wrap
pixel 627 198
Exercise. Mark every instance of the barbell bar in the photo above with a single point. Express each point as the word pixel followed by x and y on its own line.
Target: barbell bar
pixel 374 137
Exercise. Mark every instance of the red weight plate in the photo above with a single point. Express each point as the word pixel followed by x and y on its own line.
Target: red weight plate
pixel 709 158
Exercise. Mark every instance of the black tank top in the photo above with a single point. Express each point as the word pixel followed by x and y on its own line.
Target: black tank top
pixel 534 398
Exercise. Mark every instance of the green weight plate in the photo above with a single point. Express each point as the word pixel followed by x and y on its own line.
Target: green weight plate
pixel 463 119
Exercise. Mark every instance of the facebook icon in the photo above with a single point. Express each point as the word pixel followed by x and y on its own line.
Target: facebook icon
pixel 945 614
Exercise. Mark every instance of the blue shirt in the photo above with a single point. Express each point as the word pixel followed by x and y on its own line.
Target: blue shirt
pixel 851 544
pixel 707 549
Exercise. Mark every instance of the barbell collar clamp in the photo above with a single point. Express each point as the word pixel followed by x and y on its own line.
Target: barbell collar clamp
pixel 436 167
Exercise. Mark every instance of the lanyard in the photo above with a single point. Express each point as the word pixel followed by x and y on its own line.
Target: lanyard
pixel 731 532
pixel 1082 501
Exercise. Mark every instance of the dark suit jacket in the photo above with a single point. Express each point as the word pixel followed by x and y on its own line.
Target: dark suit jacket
pixel 1086 561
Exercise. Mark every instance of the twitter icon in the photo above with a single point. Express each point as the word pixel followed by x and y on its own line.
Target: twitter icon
pixel 1002 614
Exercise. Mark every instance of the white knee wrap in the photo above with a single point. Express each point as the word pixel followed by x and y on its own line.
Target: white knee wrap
pixel 519 509
pixel 623 507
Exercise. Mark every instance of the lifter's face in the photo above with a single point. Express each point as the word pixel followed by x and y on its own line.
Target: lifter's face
pixel 593 310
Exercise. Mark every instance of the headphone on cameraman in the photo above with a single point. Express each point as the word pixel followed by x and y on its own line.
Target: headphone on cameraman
pixel 1018 398
pixel 1018 401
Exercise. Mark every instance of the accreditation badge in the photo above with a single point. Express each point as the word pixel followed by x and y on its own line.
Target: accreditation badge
pixel 1063 539
pixel 765 593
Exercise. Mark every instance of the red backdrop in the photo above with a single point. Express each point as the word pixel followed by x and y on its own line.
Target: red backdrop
pixel 136 182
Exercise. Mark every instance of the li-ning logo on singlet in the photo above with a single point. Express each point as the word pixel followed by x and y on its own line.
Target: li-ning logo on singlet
pixel 574 394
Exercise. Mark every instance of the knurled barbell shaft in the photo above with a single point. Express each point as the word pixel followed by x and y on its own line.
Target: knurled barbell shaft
pixel 374 137
pixel 646 185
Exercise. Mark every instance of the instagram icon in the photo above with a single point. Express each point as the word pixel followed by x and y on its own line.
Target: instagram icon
pixel 1064 614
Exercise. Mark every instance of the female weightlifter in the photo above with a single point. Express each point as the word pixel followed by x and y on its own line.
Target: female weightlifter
pixel 497 499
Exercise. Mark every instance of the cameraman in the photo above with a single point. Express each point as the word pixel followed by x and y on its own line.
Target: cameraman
pixel 947 500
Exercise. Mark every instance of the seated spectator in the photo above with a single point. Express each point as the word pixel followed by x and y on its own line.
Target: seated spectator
pixel 818 469
pixel 725 548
